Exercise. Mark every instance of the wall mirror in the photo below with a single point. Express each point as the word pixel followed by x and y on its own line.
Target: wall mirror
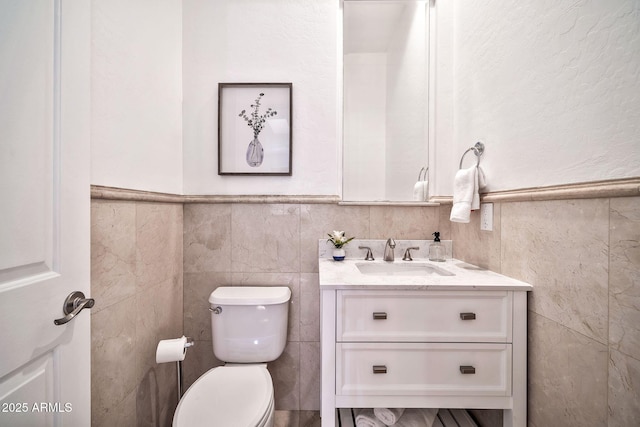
pixel 385 98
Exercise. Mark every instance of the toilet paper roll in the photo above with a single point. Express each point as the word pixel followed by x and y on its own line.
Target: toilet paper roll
pixel 171 350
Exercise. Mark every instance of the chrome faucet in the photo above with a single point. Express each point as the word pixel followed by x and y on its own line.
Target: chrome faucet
pixel 369 256
pixel 388 249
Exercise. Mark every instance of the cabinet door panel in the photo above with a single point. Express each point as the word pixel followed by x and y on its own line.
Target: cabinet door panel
pixel 439 369
pixel 424 316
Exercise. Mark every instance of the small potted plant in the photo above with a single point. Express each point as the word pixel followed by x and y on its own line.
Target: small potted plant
pixel 339 240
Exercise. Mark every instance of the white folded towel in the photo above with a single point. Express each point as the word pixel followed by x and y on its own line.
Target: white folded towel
pixel 366 418
pixel 417 417
pixel 421 191
pixel 463 189
pixel 481 182
pixel 389 416
pixel 466 197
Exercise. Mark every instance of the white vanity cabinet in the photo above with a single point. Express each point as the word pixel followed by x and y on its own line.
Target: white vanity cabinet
pixel 439 346
pixel 423 343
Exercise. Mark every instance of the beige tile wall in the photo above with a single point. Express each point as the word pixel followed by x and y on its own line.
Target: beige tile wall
pixel 583 259
pixel 582 256
pixel 136 280
pixel 276 244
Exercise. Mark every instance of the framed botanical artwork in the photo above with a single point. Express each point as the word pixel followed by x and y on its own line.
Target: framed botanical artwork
pixel 254 128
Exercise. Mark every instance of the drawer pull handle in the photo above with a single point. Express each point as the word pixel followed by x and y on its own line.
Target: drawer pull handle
pixel 379 369
pixel 379 315
pixel 467 369
pixel 468 316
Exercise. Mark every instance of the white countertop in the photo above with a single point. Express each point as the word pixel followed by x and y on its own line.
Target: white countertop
pixel 345 275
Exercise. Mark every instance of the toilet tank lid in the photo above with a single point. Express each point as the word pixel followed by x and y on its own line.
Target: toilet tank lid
pixel 250 295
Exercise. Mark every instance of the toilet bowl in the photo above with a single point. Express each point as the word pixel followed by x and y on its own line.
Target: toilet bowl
pixel 249 328
pixel 229 396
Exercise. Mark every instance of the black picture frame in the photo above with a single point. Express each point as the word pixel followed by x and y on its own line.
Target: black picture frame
pixel 249 112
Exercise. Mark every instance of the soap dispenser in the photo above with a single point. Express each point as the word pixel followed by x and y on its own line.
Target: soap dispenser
pixel 436 250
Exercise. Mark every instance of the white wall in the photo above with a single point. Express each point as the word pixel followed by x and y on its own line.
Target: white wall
pixel 136 78
pixel 551 87
pixel 407 98
pixel 365 99
pixel 262 41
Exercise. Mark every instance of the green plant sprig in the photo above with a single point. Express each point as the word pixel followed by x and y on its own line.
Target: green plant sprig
pixel 338 239
pixel 255 120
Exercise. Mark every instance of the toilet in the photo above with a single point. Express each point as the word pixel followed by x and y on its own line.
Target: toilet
pixel 249 328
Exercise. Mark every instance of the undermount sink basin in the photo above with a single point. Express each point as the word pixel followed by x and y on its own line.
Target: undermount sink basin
pixel 401 269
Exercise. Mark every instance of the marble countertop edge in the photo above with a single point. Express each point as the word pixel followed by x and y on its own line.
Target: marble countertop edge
pixel 345 275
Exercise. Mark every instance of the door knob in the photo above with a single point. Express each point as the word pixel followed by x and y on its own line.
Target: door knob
pixel 73 305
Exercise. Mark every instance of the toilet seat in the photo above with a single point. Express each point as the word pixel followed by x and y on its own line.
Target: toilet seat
pixel 229 396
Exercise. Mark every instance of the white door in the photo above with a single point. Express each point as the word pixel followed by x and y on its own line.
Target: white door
pixel 44 211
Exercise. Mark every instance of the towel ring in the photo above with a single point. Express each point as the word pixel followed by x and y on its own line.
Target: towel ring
pixel 477 149
pixel 425 173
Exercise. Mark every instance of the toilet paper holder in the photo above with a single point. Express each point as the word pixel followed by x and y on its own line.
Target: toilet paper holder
pixel 185 343
pixel 189 343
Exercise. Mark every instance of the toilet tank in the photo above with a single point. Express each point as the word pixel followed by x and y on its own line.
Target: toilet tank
pixel 249 323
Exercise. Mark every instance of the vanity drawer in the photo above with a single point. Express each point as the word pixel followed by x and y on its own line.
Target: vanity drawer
pixel 428 369
pixel 424 316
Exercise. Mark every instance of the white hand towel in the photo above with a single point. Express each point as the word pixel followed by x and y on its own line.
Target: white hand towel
pixel 464 185
pixel 366 418
pixel 417 417
pixel 421 191
pixel 389 416
pixel 480 182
